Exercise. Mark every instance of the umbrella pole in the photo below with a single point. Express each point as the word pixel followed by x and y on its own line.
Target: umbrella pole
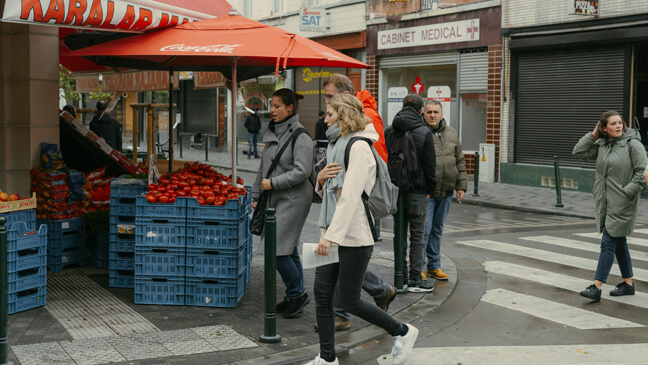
pixel 233 114
pixel 171 119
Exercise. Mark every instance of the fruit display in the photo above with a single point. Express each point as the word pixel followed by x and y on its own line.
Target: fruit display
pixel 52 195
pixel 198 181
pixel 96 190
pixel 4 197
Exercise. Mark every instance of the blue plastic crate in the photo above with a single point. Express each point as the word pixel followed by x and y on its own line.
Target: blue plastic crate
pixel 232 210
pixel 26 299
pixel 17 239
pixel 121 260
pixel 26 259
pixel 177 210
pixel 202 263
pixel 160 261
pixel 127 219
pixel 101 240
pixel 126 191
pixel 56 229
pixel 66 243
pixel 56 263
pixel 26 279
pixel 160 232
pixel 217 234
pixel 26 216
pixel 222 293
pixel 160 291
pixel 121 242
pixel 122 209
pixel 121 278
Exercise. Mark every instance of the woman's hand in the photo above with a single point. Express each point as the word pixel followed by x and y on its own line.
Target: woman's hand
pixel 254 205
pixel 328 172
pixel 595 133
pixel 323 247
pixel 266 185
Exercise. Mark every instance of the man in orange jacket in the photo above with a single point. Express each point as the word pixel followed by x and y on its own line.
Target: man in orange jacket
pixel 382 292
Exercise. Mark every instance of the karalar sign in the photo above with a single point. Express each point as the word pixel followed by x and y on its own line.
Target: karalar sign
pixel 451 32
pixel 312 19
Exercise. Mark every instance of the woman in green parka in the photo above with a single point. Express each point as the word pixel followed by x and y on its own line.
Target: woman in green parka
pixel 620 161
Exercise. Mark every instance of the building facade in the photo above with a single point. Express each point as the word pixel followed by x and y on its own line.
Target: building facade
pixel 566 63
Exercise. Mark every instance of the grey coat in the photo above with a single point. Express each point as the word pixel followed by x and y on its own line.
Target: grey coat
pixel 292 189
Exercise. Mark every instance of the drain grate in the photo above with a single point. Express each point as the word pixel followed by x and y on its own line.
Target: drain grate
pixel 86 310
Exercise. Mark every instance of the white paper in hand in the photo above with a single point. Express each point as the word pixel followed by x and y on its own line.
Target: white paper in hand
pixel 310 258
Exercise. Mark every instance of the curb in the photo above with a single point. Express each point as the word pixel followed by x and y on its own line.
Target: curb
pixel 527 209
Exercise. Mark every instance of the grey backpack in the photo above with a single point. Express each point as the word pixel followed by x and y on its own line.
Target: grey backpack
pixel 383 199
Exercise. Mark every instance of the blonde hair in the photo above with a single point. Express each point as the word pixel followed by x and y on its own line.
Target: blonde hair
pixel 350 113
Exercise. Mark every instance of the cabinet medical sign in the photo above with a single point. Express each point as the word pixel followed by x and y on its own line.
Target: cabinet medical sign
pixel 312 19
pixel 451 32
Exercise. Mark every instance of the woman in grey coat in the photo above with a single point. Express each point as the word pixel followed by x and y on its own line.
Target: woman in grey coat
pixel 290 193
pixel 620 161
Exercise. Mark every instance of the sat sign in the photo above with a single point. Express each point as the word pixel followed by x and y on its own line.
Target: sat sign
pixel 312 19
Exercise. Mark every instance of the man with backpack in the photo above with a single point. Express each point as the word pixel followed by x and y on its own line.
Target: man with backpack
pixel 412 167
pixel 451 176
pixel 382 292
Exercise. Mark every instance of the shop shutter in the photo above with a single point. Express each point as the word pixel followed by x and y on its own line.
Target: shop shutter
pixel 473 72
pixel 427 59
pixel 560 96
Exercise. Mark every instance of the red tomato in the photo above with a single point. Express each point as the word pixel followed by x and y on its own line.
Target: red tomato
pixel 210 200
pixel 151 198
pixel 209 182
pixel 219 200
pixel 172 199
pixel 173 187
pixel 205 187
pixel 201 200
pixel 162 188
pixel 163 199
pixel 187 189
pixel 154 192
pixel 152 187
pixel 182 193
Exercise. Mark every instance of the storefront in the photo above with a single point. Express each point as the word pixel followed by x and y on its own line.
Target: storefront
pixel 455 59
pixel 562 79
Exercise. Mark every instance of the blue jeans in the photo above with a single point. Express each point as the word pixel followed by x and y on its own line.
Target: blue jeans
pixel 351 269
pixel 609 247
pixel 437 212
pixel 252 141
pixel 292 274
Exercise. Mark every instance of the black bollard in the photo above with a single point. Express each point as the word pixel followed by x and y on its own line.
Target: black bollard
pixel 270 284
pixel 476 185
pixel 206 142
pixel 180 142
pixel 399 240
pixel 377 225
pixel 559 203
pixel 4 304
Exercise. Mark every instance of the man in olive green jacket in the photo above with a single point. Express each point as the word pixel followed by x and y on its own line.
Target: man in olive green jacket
pixel 451 176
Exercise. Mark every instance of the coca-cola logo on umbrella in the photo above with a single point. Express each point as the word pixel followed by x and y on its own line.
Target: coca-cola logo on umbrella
pixel 216 48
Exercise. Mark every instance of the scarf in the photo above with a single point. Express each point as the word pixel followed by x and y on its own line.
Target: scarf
pixel 335 153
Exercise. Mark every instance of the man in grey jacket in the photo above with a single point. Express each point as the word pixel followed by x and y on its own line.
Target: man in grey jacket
pixel 450 176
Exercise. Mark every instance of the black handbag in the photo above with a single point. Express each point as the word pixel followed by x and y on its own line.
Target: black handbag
pixel 257 223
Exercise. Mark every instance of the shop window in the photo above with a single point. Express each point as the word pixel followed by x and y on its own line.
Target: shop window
pixel 473 120
pixel 278 7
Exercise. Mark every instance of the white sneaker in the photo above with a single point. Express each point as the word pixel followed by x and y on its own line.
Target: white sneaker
pixel 403 345
pixel 319 361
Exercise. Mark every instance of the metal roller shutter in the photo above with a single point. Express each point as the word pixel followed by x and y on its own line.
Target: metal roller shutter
pixel 560 96
pixel 418 60
pixel 473 72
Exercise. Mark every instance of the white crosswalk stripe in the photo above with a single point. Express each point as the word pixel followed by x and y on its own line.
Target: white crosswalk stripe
pixel 544 255
pixel 581 245
pixel 631 240
pixel 552 311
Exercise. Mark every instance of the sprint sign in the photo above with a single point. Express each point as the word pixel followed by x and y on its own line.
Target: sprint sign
pixel 312 19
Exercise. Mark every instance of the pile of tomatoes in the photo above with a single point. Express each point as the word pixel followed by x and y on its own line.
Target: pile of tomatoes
pixel 198 181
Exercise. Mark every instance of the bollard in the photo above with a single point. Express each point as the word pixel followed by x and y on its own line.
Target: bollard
pixel 559 203
pixel 180 142
pixel 270 283
pixel 206 142
pixel 476 185
pixel 377 225
pixel 4 305
pixel 400 235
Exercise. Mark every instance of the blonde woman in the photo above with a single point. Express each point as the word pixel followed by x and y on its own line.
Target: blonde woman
pixel 344 223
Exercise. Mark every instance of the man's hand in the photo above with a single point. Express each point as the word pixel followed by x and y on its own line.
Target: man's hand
pixel 460 195
pixel 329 171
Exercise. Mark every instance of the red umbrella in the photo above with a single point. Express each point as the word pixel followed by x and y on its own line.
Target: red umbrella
pixel 227 44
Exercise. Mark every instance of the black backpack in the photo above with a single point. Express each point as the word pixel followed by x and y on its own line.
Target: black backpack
pixel 402 160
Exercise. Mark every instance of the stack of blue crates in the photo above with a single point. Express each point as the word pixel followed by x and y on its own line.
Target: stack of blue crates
pixel 65 242
pixel 217 253
pixel 160 252
pixel 121 247
pixel 99 250
pixel 26 262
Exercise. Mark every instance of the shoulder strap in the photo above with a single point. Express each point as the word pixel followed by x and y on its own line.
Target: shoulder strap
pixel 365 197
pixel 277 157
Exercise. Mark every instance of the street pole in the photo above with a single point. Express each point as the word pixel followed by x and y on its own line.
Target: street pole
pixel 4 305
pixel 399 239
pixel 559 203
pixel 206 142
pixel 476 185
pixel 270 285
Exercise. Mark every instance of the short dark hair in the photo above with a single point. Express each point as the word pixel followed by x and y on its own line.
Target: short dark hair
pixel 321 112
pixel 413 100
pixel 289 97
pixel 70 109
pixel 101 105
